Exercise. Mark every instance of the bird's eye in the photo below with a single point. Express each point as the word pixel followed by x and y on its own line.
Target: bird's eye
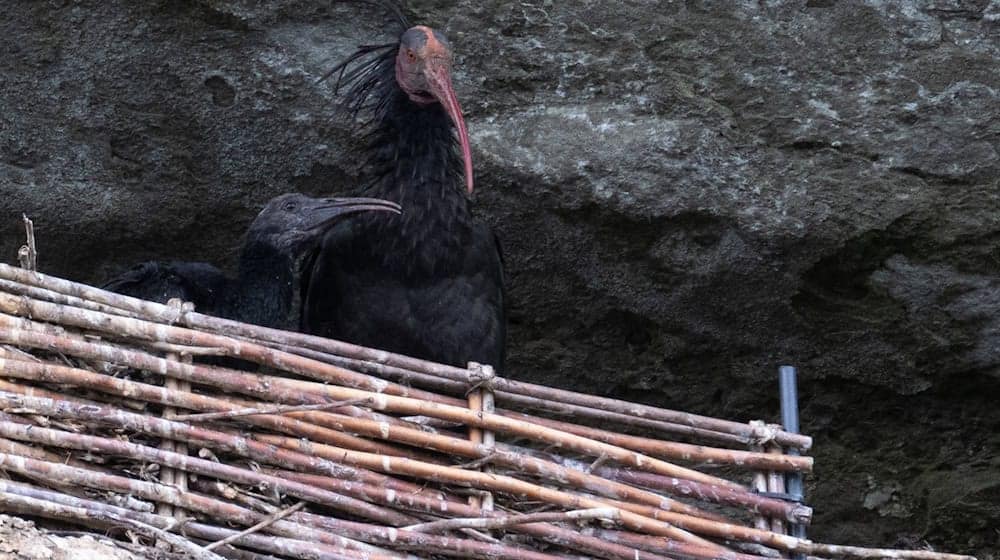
pixel 410 56
pixel 288 206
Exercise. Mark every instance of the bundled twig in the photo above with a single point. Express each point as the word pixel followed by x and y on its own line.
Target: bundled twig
pixel 503 387
pixel 374 446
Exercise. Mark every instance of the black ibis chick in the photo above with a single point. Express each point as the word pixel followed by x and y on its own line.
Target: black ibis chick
pixel 276 247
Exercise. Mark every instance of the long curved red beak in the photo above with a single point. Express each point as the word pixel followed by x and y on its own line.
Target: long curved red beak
pixel 439 80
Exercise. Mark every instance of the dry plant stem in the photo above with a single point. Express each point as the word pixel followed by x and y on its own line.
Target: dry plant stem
pixel 449 379
pixel 265 410
pixel 33 391
pixel 760 485
pixel 497 456
pixel 476 436
pixel 179 543
pixel 276 389
pixel 379 488
pixel 679 451
pixel 233 553
pixel 272 455
pixel 27 255
pixel 87 512
pixel 663 546
pixel 169 476
pixel 60 374
pixel 586 545
pixel 326 427
pixel 776 483
pixel 656 448
pixel 376 462
pixel 424 403
pixel 673 450
pixel 7 351
pixel 58 438
pixel 511 520
pixel 683 451
pixel 666 523
pixel 549 533
pixel 269 520
pixel 461 548
pixel 105 517
pixel 488 406
pixel 201 374
pixel 15 448
pixel 796 513
pixel 56 297
pixel 402 539
pixel 216 509
pixel 649 504
pixel 504 386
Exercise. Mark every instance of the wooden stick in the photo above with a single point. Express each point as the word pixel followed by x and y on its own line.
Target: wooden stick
pixel 419 438
pixel 475 436
pixel 266 522
pixel 376 462
pixel 674 450
pixel 60 374
pixel 169 476
pixel 193 550
pixel 663 546
pixel 17 288
pixel 59 438
pixel 423 404
pixel 504 522
pixel 64 375
pixel 160 312
pixel 27 255
pixel 279 389
pixel 402 539
pixel 311 524
pixel 657 448
pixel 630 520
pixel 488 406
pixel 266 410
pixel 90 513
pixel 121 387
pixel 760 485
pixel 549 533
pixel 776 484
pixel 219 510
pixel 796 513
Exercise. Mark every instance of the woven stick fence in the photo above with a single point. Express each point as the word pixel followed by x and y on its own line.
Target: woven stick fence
pixel 218 438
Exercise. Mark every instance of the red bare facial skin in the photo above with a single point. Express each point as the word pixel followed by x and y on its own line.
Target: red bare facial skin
pixel 423 70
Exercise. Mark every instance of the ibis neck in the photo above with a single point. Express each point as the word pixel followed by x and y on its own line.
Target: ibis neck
pixel 416 162
pixel 265 286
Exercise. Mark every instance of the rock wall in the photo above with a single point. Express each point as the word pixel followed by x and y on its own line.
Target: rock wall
pixel 689 193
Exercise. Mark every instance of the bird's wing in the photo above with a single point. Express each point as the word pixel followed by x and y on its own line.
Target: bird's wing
pixel 315 272
pixel 200 283
pixel 487 270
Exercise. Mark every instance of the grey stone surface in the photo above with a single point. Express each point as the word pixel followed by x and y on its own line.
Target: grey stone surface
pixel 689 193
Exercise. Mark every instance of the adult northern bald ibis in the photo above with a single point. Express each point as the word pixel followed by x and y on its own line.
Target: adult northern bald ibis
pixel 266 290
pixel 429 282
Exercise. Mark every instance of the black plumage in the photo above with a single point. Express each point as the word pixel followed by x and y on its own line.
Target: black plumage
pixel 266 290
pixel 429 282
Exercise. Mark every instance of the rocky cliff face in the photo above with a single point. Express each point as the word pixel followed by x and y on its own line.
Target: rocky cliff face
pixel 689 193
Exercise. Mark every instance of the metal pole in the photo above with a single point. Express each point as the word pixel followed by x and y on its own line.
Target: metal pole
pixel 790 421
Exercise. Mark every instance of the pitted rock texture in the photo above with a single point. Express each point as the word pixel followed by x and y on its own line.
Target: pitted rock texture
pixel 688 193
